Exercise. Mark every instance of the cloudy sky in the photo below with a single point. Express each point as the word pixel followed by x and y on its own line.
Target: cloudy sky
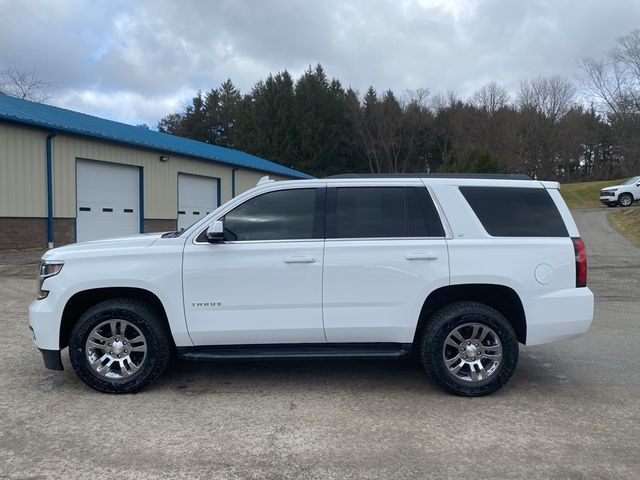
pixel 136 61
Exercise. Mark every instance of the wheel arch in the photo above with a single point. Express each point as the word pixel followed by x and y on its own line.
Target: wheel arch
pixel 500 297
pixel 81 301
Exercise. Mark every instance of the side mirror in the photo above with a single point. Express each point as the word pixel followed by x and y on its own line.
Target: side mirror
pixel 215 232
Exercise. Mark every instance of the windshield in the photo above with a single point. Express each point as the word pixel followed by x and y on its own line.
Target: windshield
pixel 631 180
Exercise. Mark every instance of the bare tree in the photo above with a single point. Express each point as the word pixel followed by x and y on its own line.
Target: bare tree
pixel 390 132
pixel 614 81
pixel 22 82
pixel 553 96
pixel 491 98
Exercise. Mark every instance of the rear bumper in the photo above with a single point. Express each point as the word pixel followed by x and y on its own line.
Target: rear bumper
pixel 559 315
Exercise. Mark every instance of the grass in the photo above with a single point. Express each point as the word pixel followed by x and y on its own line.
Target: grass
pixel 627 222
pixel 585 194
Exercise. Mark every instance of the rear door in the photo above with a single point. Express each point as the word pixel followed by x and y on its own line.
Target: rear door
pixel 385 251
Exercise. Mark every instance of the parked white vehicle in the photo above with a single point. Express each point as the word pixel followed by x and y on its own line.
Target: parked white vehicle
pixel 457 269
pixel 624 194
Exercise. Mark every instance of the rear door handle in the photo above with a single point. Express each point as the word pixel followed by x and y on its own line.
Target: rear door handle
pixel 421 256
pixel 299 260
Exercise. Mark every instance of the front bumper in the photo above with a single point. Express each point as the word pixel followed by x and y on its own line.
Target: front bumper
pixel 44 321
pixel 608 200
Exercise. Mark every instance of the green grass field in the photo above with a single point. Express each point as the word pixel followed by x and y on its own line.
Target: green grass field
pixel 585 194
pixel 627 222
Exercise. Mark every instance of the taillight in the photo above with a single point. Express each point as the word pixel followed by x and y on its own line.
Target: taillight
pixel 581 262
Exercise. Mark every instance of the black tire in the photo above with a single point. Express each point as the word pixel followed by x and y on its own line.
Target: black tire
pixel 146 319
pixel 454 316
pixel 625 200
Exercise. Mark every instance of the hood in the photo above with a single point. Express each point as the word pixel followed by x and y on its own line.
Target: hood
pixel 106 244
pixel 614 187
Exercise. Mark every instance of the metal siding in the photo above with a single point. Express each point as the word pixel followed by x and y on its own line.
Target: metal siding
pixel 160 178
pixel 23 182
pixel 23 172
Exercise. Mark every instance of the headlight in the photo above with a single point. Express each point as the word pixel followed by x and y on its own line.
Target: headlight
pixel 48 268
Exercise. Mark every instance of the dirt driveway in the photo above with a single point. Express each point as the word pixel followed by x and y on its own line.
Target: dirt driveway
pixel 572 409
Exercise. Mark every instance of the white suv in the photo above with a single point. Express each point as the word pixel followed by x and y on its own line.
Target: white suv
pixel 455 269
pixel 624 194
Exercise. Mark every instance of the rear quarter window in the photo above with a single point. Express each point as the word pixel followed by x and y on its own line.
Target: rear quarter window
pixel 515 212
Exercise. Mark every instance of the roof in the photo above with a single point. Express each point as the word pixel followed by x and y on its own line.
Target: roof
pixel 61 120
pixel 473 176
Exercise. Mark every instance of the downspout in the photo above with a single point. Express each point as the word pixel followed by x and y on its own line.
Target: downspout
pixel 50 190
pixel 233 182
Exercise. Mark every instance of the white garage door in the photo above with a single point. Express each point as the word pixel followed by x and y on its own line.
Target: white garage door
pixel 197 196
pixel 108 200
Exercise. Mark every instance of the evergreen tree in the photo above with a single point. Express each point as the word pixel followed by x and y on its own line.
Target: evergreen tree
pixel 314 125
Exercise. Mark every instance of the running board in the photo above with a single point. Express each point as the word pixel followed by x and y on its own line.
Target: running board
pixel 301 350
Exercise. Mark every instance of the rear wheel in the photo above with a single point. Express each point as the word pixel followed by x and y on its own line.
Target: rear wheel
pixel 625 200
pixel 119 346
pixel 469 349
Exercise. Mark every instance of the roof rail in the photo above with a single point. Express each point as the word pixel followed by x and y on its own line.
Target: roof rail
pixel 265 179
pixel 487 176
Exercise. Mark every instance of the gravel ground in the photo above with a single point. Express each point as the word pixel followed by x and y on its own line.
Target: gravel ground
pixel 570 411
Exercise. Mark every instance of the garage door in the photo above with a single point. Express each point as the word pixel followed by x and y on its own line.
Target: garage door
pixel 197 196
pixel 108 200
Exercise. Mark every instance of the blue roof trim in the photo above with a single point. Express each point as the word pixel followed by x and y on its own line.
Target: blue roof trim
pixel 62 120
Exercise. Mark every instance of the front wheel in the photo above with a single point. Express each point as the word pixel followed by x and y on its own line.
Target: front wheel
pixel 119 346
pixel 625 200
pixel 469 349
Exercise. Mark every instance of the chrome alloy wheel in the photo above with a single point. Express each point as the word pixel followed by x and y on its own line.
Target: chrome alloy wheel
pixel 116 349
pixel 626 200
pixel 472 352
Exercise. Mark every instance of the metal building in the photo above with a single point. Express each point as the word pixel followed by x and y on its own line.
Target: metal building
pixel 67 177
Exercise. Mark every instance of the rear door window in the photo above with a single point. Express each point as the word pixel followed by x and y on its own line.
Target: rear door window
pixel 516 212
pixel 381 212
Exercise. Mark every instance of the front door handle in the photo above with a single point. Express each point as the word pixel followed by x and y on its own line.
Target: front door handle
pixel 421 256
pixel 301 259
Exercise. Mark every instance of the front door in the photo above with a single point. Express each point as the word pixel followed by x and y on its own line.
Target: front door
pixel 264 283
pixel 636 192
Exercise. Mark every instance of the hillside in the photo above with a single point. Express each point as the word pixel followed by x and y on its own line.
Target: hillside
pixel 627 222
pixel 584 194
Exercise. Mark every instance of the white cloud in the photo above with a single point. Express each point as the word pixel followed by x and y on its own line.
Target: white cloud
pixel 125 106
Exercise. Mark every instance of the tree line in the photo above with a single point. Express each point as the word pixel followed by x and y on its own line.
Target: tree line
pixel 549 128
